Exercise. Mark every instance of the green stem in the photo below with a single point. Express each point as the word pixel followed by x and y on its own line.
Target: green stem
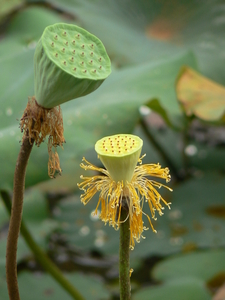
pixel 15 220
pixel 124 256
pixel 161 151
pixel 40 255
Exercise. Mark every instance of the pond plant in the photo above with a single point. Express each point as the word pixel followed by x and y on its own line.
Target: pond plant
pixel 69 62
pixel 124 187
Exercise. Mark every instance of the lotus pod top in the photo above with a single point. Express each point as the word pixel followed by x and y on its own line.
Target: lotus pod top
pixel 119 154
pixel 69 62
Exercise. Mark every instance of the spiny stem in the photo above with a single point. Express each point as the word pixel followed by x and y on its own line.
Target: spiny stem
pixel 124 256
pixel 15 220
pixel 40 255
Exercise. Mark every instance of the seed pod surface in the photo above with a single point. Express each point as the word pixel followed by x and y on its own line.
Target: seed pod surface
pixel 119 154
pixel 69 62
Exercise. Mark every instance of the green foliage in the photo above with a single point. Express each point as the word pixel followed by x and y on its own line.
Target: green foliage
pixel 44 287
pixel 203 265
pixel 149 43
pixel 184 288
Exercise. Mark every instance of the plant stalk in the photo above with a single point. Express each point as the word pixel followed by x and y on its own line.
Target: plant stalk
pixel 124 256
pixel 161 151
pixel 40 255
pixel 15 220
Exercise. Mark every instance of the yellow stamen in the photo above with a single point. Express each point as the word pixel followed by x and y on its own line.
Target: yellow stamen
pixel 139 190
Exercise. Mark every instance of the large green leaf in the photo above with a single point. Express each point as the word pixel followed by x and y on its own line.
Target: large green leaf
pixel 203 265
pixel 138 31
pixel 193 221
pixel 112 108
pixel 42 286
pixel 184 288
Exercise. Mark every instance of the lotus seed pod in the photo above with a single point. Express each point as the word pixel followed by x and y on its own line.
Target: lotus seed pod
pixel 119 154
pixel 69 62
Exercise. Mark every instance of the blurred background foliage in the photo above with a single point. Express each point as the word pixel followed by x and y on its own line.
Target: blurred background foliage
pixel 167 86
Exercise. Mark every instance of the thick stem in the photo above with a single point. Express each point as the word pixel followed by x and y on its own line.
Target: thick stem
pixel 15 220
pixel 40 255
pixel 124 256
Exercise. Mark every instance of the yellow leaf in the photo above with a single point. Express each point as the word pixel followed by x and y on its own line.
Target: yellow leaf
pixel 200 96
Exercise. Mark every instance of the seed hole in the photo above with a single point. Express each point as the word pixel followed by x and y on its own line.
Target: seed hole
pixel 66 43
pixel 56 55
pixel 52 44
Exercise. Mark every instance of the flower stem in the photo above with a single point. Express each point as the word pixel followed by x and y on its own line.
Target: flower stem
pixel 161 151
pixel 124 256
pixel 40 255
pixel 15 220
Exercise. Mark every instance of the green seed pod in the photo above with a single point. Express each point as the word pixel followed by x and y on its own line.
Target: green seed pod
pixel 69 62
pixel 119 154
